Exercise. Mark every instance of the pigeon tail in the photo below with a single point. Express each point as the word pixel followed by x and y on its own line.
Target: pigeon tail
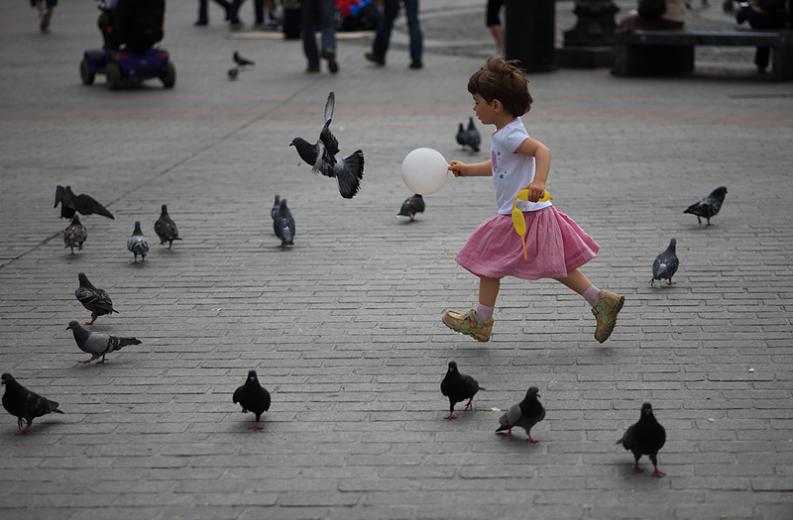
pixel 504 427
pixel 349 174
pixel 117 343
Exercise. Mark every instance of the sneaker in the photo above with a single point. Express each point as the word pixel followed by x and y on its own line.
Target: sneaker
pixel 605 313
pixel 333 65
pixel 312 69
pixel 468 324
pixel 416 65
pixel 201 23
pixel 370 57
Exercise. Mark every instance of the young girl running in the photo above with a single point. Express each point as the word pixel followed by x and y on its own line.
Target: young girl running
pixel 555 246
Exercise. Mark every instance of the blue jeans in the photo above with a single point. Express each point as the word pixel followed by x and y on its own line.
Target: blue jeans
pixel 383 36
pixel 318 15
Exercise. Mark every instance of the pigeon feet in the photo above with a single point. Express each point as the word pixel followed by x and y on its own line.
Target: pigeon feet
pixel 658 473
pixel 257 426
pixel 93 319
pixel 469 406
pixel 87 361
pixel 532 440
pixel 451 416
pixel 637 469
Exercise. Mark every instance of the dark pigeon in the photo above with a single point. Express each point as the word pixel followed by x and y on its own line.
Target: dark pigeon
pixel 460 136
pixel 75 234
pixel 412 205
pixel 708 207
pixel 233 73
pixel 253 397
pixel 137 243
pixel 94 299
pixel 242 62
pixel 666 264
pixel 166 228
pixel 274 211
pixel 322 156
pixel 524 415
pixel 458 387
pixel 646 437
pixel 24 404
pixel 82 204
pixel 284 224
pixel 472 137
pixel 96 343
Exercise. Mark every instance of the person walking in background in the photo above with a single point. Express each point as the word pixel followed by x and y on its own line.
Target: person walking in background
pixel 319 15
pixel 762 14
pixel 44 8
pixel 258 13
pixel 384 28
pixel 203 11
pixel 493 22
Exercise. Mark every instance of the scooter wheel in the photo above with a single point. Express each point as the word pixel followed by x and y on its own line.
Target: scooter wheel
pixel 113 74
pixel 86 75
pixel 168 77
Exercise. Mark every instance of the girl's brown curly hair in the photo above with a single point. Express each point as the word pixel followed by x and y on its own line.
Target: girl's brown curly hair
pixel 502 80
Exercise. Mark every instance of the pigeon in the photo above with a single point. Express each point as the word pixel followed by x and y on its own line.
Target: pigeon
pixel 137 243
pixel 284 225
pixel 94 299
pixel 322 156
pixel 645 437
pixel 460 137
pixel 233 73
pixel 458 387
pixel 525 414
pixel 96 343
pixel 253 397
pixel 24 404
pixel 75 234
pixel 472 137
pixel 411 206
pixel 709 206
pixel 242 62
pixel 82 204
pixel 166 228
pixel 274 209
pixel 666 264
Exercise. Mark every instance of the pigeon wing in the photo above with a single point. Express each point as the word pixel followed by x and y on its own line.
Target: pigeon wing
pixel 96 344
pixel 471 386
pixel 59 193
pixel 87 205
pixel 329 140
pixel 349 173
pixel 511 417
pixel 329 106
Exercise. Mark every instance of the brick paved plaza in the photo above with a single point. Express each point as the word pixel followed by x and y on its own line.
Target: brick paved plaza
pixel 344 328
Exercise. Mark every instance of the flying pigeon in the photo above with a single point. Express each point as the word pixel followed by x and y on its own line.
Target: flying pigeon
pixel 412 205
pixel 24 404
pixel 322 156
pixel 75 234
pixel 137 243
pixel 458 387
pixel 166 228
pixel 666 264
pixel 233 73
pixel 253 397
pixel 96 343
pixel 274 209
pixel 82 204
pixel 472 137
pixel 93 298
pixel 708 207
pixel 242 62
pixel 284 224
pixel 645 437
pixel 524 415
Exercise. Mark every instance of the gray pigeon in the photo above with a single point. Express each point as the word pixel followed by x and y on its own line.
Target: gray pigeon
pixel 166 228
pixel 666 264
pixel 524 415
pixel 24 404
pixel 82 204
pixel 240 61
pixel 472 137
pixel 96 343
pixel 458 387
pixel 75 234
pixel 322 156
pixel 253 398
pixel 284 225
pixel 137 243
pixel 645 437
pixel 274 211
pixel 708 207
pixel 412 205
pixel 93 298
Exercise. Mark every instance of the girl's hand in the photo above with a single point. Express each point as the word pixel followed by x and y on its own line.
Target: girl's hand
pixel 536 189
pixel 458 168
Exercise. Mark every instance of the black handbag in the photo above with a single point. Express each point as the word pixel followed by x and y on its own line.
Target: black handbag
pixel 651 9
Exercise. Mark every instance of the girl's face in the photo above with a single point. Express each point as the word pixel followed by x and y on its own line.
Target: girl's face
pixel 484 110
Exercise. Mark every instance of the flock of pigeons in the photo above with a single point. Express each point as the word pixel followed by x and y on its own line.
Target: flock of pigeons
pixel 645 437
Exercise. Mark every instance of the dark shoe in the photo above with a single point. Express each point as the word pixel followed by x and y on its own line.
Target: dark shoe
pixel 44 26
pixel 333 65
pixel 201 23
pixel 416 65
pixel 370 57
pixel 312 69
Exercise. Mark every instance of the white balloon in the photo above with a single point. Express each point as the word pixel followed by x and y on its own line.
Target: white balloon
pixel 424 170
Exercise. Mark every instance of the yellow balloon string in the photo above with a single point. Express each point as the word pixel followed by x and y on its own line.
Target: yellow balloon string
pixel 519 221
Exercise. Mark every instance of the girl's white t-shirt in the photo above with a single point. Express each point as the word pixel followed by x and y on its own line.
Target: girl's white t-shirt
pixel 512 171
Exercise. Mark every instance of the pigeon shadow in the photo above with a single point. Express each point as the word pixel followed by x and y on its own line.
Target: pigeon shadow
pixel 246 424
pixel 407 221
pixel 36 429
pixel 73 257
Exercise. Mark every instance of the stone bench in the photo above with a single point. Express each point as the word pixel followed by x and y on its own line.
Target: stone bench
pixel 665 53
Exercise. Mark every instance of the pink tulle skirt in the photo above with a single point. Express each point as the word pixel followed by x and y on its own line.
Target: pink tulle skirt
pixel 554 242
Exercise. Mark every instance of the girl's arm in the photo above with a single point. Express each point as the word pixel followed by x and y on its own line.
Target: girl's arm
pixel 542 166
pixel 481 169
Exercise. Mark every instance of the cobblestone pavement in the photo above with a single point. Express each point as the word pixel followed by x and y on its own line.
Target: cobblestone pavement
pixel 344 329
